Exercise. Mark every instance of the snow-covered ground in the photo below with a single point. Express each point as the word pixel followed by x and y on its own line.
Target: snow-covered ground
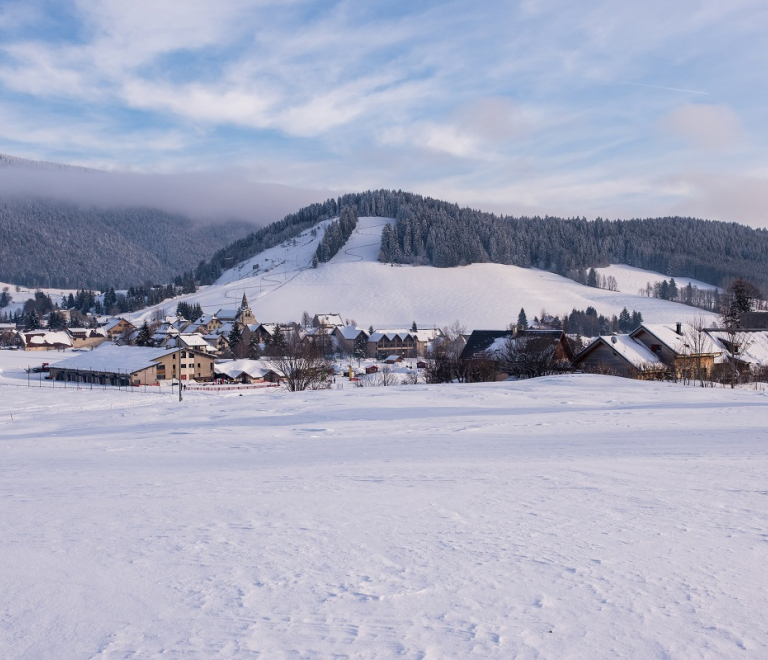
pixel 564 517
pixel 358 287
pixel 632 280
pixel 24 293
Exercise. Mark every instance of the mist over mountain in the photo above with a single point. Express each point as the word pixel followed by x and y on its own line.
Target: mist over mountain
pixel 45 242
pixel 71 226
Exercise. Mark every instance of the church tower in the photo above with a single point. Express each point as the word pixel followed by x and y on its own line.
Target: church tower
pixel 244 314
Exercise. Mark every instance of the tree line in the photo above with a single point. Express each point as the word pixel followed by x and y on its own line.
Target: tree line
pixel 336 235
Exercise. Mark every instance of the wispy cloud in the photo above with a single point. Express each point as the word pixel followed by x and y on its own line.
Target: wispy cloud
pixel 542 105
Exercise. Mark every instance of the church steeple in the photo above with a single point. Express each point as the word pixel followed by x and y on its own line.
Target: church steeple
pixel 244 314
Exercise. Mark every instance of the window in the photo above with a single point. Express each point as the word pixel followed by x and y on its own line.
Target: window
pixel 655 347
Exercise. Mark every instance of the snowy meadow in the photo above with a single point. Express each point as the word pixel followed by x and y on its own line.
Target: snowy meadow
pixel 563 517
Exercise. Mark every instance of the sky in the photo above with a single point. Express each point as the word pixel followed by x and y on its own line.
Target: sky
pixel 230 107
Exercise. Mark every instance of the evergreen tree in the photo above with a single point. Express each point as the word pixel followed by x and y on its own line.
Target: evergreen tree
pixel 110 300
pixel 144 338
pixel 277 344
pixel 254 348
pixel 592 278
pixel 56 321
pixel 414 328
pixel 522 319
pixel 32 320
pixel 235 336
pixel 625 321
pixel 664 291
pixel 743 294
pixel 672 289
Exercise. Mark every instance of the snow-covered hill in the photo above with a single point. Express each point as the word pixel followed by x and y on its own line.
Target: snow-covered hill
pixel 633 280
pixel 358 287
pixel 21 294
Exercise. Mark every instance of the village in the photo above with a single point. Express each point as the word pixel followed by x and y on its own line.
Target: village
pixel 230 348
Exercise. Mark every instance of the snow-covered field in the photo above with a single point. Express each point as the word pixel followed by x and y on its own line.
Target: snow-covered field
pixel 565 517
pixel 24 293
pixel 631 280
pixel 358 287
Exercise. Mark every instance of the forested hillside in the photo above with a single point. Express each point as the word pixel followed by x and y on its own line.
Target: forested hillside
pixel 51 243
pixel 441 234
pixel 432 232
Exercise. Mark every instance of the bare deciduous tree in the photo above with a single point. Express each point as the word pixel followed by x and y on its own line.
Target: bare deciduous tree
pixel 301 366
pixel 697 343
pixel 528 356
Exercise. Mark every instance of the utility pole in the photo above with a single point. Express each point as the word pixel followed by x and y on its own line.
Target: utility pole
pixel 178 352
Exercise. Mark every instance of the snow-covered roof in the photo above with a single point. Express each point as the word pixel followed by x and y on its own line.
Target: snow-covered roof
pixel 227 314
pixel 234 368
pixel 193 340
pixel 59 338
pixel 112 358
pixel 350 331
pixel 113 322
pixel 427 335
pixel 753 346
pixel 329 319
pixel 633 351
pixel 269 328
pixel 686 342
pixel 89 332
pixel 390 335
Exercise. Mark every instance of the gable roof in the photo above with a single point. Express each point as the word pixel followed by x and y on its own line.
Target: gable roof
pixel 226 314
pixel 350 331
pixel 46 338
pixel 480 341
pixel 681 344
pixel 754 345
pixel 114 322
pixel 634 352
pixel 235 368
pixel 112 358
pixel 192 340
pixel 329 319
pixel 491 341
pixel 390 335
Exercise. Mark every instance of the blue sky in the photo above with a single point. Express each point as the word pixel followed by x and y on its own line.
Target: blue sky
pixel 590 108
